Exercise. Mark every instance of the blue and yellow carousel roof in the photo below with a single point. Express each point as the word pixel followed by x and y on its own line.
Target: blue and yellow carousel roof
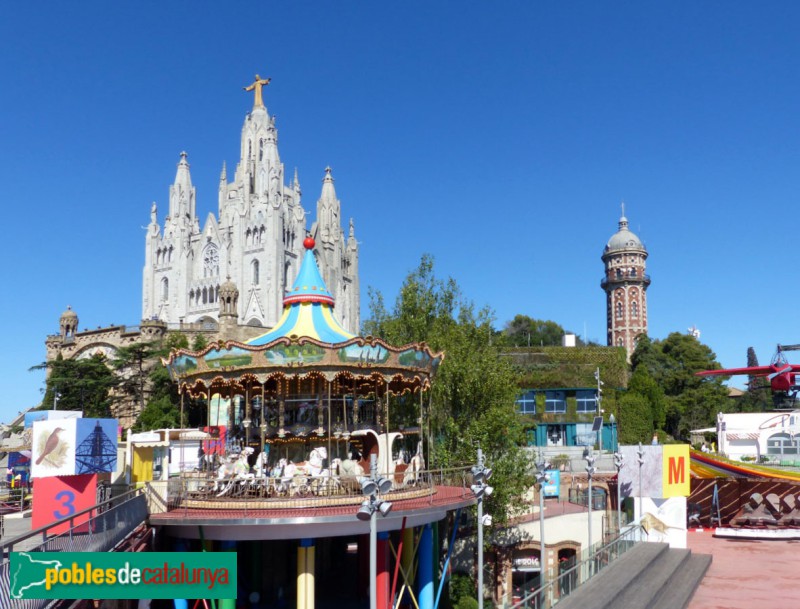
pixel 307 308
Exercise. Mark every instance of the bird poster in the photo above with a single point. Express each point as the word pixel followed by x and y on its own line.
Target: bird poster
pixel 53 448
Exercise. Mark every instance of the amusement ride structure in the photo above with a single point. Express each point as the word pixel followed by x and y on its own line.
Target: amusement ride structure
pixel 334 426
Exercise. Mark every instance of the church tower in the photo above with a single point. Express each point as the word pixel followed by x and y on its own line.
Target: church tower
pixel 255 239
pixel 625 284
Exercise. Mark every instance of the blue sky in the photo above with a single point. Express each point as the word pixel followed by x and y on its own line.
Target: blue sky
pixel 499 137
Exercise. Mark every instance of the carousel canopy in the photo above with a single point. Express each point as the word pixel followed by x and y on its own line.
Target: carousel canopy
pixel 308 308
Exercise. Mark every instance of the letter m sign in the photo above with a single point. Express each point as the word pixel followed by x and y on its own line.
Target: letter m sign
pixel 675 474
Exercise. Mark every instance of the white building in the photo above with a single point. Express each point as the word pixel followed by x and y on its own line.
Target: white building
pixel 255 240
pixel 753 434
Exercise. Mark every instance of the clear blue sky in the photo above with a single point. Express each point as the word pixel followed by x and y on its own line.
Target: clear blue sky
pixel 499 137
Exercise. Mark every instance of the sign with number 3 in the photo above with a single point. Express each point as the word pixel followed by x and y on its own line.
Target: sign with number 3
pixel 59 497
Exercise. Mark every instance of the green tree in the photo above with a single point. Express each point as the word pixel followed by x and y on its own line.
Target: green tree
pixel 133 364
pixel 758 396
pixel 473 394
pixel 691 401
pixel 175 340
pixel 199 343
pixel 80 384
pixel 524 331
pixel 644 385
pixel 635 419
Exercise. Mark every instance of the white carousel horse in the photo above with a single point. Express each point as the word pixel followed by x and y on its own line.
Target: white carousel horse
pixel 414 469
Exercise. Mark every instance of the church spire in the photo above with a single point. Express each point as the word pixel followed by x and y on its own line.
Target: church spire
pixel 328 208
pixel 182 193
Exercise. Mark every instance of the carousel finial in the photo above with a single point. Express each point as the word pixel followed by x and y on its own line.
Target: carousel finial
pixel 309 243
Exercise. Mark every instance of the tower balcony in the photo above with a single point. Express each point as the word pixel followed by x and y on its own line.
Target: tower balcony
pixel 623 279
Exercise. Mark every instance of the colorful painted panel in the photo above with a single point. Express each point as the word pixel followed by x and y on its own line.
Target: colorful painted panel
pixel 294 354
pixel 234 356
pixel 183 364
pixel 364 355
pixel 218 409
pixel 414 358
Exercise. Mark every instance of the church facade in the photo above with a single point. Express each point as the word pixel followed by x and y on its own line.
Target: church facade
pixel 255 240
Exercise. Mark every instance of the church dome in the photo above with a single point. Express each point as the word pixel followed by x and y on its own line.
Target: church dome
pixel 69 314
pixel 623 239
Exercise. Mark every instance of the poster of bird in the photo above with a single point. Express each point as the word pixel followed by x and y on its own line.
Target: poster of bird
pixel 53 448
pixel 664 520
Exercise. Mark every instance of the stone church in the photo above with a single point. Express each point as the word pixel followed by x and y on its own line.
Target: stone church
pixel 255 240
pixel 228 279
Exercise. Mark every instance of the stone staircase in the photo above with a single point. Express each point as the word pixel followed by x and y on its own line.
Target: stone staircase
pixel 649 576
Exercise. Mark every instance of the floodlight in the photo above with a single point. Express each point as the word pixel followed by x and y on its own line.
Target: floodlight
pixel 590 460
pixel 488 489
pixel 385 507
pixel 477 489
pixel 486 520
pixel 477 474
pixel 384 485
pixel 365 511
pixel 368 486
pixel 487 472
pixel 591 470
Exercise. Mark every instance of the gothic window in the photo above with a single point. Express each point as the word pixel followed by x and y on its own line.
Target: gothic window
pixel 261 235
pixel 211 261
pixel 205 295
pixel 620 342
pixel 248 236
pixel 619 273
pixel 255 266
pixel 164 289
pixel 260 150
pixel 634 310
pixel 619 310
pixel 215 293
pixel 171 249
pixel 633 272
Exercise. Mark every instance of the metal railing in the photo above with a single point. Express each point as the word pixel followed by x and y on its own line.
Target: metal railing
pixel 592 561
pixel 199 491
pixel 100 528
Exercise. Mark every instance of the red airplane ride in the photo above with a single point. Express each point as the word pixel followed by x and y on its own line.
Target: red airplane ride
pixel 780 372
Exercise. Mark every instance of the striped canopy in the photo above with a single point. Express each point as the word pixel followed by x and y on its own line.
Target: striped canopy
pixel 308 308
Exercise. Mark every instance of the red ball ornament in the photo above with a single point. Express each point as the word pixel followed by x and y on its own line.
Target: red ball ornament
pixel 308 243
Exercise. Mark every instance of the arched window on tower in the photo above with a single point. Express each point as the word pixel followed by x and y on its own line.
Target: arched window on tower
pixel 635 310
pixel 633 272
pixel 620 342
pixel 255 266
pixel 619 273
pixel 164 289
pixel 619 310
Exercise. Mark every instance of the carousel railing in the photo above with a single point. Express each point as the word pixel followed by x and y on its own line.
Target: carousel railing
pixel 201 490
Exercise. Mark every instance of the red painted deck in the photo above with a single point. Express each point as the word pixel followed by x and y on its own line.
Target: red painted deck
pixel 746 574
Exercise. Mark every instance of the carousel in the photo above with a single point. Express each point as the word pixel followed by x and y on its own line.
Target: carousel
pixel 300 411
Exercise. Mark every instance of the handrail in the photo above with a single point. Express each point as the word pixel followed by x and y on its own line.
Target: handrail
pixel 125 496
pixel 581 572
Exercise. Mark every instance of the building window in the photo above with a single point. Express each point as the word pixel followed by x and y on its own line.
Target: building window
pixel 211 261
pixel 255 272
pixel 555 401
pixel 633 272
pixel 526 403
pixel 781 444
pixel 634 310
pixel 620 342
pixel 586 400
pixel 620 310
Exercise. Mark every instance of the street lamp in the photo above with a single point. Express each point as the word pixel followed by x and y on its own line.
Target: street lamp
pixel 590 470
pixel 372 487
pixel 613 420
pixel 480 476
pixel 246 424
pixel 541 478
pixel 619 461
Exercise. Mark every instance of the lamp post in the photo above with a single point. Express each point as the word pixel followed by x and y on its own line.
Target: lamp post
pixel 541 478
pixel 590 470
pixel 480 475
pixel 372 487
pixel 619 461
pixel 613 420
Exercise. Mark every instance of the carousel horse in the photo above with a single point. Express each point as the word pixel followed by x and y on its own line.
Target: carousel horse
pixel 413 472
